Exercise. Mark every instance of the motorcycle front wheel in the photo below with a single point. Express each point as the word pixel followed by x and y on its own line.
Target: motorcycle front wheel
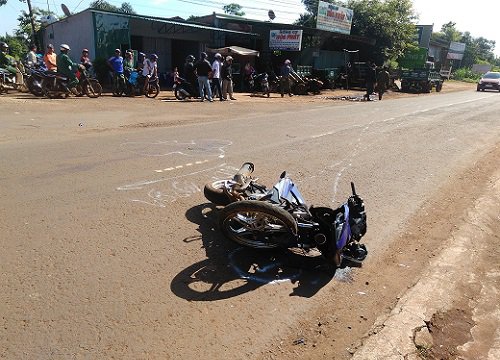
pixel 152 91
pixel 257 224
pixel 215 194
pixel 92 88
pixel 179 95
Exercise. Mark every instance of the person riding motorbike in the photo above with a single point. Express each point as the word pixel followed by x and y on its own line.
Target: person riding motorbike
pixel 50 59
pixel 31 59
pixel 8 62
pixel 190 73
pixel 115 62
pixel 67 67
pixel 150 69
pixel 85 59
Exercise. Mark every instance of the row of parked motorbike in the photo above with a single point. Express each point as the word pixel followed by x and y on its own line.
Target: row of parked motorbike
pixel 41 82
pixel 259 84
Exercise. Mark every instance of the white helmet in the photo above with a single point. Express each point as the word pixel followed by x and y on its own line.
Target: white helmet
pixel 229 58
pixel 64 47
pixel 218 56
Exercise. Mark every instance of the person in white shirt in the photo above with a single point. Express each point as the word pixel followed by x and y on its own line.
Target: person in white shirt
pixel 216 80
pixel 150 69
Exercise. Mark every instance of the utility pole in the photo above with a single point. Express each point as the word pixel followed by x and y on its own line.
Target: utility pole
pixel 32 21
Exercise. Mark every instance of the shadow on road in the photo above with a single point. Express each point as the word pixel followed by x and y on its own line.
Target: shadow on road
pixel 231 270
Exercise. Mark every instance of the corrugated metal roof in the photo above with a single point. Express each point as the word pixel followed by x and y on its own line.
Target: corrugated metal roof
pixel 171 22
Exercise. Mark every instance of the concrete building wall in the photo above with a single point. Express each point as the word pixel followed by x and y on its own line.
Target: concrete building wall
pixel 77 31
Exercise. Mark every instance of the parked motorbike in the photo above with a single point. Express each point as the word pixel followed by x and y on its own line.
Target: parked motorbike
pixel 135 85
pixel 87 84
pixel 183 89
pixel 119 84
pixel 33 80
pixel 257 217
pixel 8 80
pixel 259 83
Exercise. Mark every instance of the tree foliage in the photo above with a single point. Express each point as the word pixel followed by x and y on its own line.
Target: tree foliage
pixel 24 23
pixel 233 9
pixel 17 45
pixel 125 7
pixel 477 50
pixel 389 22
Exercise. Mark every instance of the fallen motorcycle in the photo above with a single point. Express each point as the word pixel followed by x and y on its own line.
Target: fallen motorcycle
pixel 258 217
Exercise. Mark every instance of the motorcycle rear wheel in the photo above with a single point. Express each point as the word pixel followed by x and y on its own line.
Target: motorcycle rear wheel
pixel 257 224
pixel 152 91
pixel 92 88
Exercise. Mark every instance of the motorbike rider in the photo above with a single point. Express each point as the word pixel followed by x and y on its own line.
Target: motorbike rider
pixel 67 67
pixel 31 59
pixel 8 62
pixel 50 59
pixel 85 59
pixel 115 62
pixel 140 61
pixel 150 69
pixel 190 73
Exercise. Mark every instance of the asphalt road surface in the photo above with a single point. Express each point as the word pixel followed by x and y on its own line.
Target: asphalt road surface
pixel 110 250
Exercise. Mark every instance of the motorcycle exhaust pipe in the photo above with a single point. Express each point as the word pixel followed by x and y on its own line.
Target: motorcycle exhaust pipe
pixel 184 92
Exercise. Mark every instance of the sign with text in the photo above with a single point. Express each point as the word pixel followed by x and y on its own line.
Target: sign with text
pixel 456 51
pixel 334 18
pixel 285 40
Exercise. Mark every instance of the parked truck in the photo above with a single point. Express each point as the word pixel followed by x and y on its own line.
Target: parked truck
pixel 420 80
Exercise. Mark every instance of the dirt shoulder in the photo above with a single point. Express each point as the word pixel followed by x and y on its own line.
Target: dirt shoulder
pixel 437 299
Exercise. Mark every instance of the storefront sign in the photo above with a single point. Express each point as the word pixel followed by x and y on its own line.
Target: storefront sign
pixel 334 18
pixel 285 40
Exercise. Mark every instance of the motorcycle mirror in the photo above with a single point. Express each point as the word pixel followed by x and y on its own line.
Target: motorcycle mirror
pixel 353 189
pixel 283 174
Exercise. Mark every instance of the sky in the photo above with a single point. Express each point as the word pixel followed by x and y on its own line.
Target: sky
pixel 478 17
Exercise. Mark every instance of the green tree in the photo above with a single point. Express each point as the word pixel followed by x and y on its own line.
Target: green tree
pixel 104 5
pixel 17 45
pixel 389 22
pixel 24 23
pixel 233 9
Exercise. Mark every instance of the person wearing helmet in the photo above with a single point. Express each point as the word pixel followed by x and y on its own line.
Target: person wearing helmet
pixel 7 61
pixel 67 67
pixel 204 70
pixel 50 58
pixel 216 80
pixel 190 73
pixel 227 78
pixel 85 59
pixel 285 71
pixel 140 61
pixel 150 69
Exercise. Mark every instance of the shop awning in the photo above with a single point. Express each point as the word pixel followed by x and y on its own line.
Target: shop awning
pixel 234 50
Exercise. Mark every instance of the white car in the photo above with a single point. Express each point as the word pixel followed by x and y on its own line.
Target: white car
pixel 489 81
